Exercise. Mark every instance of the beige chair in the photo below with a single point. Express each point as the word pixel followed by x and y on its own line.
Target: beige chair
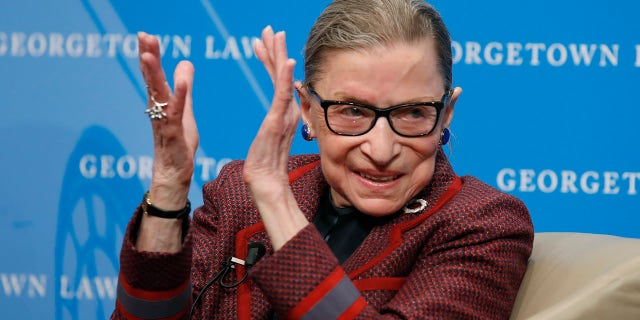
pixel 581 276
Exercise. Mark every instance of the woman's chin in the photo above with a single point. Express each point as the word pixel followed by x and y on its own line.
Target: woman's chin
pixel 378 207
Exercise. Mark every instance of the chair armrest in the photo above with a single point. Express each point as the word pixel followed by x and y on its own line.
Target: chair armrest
pixel 580 276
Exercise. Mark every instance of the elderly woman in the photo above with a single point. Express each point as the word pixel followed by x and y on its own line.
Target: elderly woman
pixel 376 225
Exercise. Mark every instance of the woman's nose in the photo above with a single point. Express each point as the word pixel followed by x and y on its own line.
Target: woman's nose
pixel 381 143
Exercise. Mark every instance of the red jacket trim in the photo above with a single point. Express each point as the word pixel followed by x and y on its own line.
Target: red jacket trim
pixel 300 171
pixel 244 289
pixel 395 235
pixel 354 310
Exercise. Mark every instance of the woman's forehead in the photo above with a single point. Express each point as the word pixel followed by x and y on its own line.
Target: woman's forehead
pixel 409 68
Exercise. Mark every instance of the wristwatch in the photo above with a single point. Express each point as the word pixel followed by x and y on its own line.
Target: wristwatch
pixel 150 209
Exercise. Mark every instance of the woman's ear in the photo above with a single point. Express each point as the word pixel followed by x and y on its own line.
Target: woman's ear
pixel 305 104
pixel 448 116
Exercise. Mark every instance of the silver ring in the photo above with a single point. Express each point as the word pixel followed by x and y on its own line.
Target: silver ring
pixel 156 112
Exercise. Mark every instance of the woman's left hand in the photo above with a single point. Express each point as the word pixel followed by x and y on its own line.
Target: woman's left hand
pixel 265 169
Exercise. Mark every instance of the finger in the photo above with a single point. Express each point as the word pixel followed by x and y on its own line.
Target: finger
pixel 280 50
pixel 267 39
pixel 283 96
pixel 181 104
pixel 261 53
pixel 150 64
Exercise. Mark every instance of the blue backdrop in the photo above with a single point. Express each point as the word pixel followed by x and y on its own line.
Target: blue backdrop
pixel 549 113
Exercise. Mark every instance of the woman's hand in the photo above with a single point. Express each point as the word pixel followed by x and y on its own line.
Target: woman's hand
pixel 265 169
pixel 175 140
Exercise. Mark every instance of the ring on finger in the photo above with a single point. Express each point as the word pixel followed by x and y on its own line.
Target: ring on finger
pixel 156 111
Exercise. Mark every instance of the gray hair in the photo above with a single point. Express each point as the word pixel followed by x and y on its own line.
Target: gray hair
pixel 362 24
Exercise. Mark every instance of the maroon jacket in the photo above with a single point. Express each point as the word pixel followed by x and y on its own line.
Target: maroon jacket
pixel 462 257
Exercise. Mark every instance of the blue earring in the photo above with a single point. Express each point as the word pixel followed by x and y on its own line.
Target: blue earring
pixel 306 133
pixel 444 136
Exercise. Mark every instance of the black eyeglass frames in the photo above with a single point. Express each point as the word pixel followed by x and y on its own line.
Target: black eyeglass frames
pixel 408 120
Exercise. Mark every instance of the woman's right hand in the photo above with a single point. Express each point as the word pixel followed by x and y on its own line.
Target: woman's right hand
pixel 175 140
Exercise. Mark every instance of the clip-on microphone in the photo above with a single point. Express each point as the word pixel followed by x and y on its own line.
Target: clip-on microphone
pixel 255 251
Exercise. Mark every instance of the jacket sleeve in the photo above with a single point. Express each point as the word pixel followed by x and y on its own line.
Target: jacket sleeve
pixel 153 285
pixel 469 266
pixel 304 278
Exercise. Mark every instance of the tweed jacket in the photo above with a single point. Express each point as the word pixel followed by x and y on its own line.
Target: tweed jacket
pixel 462 257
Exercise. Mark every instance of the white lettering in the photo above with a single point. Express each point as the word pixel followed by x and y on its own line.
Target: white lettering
pixel 14 284
pixel 551 56
pixel 632 176
pixel 130 46
pixel 568 183
pixel 37 44
pixel 145 167
pixel 582 52
pixel 489 57
pixel 231 49
pixel 209 52
pixel 88 167
pixel 554 54
pixel 535 52
pixel 127 166
pixel 473 53
pixel 637 64
pixel 124 163
pixel 247 46
pixel 106 166
pixel 55 45
pixel 89 288
pixel 553 181
pixel 65 290
pixel 17 44
pixel 609 54
pixel 181 46
pixel 84 289
pixel 3 43
pixel 513 54
pixel 112 41
pixel 506 185
pixel 589 188
pixel 456 52
pixel 93 45
pixel 610 179
pixel 106 287
pixel 37 285
pixel 163 43
pixel 207 165
pixel 526 180
pixel 74 45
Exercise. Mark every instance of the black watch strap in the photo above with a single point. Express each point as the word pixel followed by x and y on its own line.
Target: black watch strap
pixel 152 210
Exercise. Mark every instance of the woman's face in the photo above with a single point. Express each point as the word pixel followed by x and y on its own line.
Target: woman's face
pixel 380 171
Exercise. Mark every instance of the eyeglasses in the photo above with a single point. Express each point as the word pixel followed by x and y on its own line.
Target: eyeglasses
pixel 408 120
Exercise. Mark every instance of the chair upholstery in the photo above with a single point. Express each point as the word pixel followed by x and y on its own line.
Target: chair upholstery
pixel 581 276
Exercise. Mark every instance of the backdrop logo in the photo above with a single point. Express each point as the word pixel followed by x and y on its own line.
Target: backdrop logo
pixel 495 53
pixel 111 166
pixel 568 181
pixel 536 54
pixel 110 45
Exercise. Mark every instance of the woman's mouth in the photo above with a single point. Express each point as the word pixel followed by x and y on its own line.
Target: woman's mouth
pixel 385 178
